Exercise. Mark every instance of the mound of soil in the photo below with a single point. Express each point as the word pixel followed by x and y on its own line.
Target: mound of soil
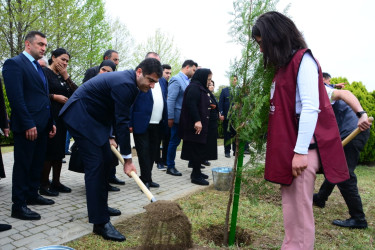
pixel 215 233
pixel 166 227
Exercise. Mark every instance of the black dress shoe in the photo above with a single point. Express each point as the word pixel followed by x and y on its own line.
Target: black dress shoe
pixel 147 184
pixel 68 153
pixel 112 188
pixel 115 180
pixel 227 155
pixel 40 200
pixel 48 192
pixel 200 181
pixel 204 176
pixel 24 213
pixel 4 227
pixel 161 167
pixel 207 163
pixel 351 223
pixel 60 188
pixel 113 211
pixel 63 161
pixel 108 232
pixel 154 184
pixel 173 171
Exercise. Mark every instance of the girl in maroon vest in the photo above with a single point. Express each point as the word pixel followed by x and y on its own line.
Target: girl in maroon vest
pixel 302 131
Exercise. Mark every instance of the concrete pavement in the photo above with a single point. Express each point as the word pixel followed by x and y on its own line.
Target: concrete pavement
pixel 67 219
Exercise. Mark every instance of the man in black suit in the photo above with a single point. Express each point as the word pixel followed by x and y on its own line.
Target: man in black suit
pixel 90 73
pixel 149 119
pixel 108 55
pixel 31 123
pixel 224 105
pixel 98 106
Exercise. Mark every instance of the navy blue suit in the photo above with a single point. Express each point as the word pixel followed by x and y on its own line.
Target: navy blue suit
pixel 224 105
pixel 224 102
pixel 89 115
pixel 142 109
pixel 147 135
pixel 30 104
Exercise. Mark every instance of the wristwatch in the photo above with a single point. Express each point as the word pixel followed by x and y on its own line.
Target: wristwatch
pixel 360 113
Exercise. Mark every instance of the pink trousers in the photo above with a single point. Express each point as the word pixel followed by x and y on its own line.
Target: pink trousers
pixel 297 207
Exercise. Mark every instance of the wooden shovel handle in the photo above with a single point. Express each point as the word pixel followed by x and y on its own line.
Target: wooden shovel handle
pixel 135 176
pixel 354 133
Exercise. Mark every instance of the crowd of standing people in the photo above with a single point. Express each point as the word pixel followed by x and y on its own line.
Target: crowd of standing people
pixel 47 105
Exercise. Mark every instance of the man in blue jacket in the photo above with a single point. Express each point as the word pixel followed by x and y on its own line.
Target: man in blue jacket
pixel 31 123
pixel 176 89
pixel 98 106
pixel 148 123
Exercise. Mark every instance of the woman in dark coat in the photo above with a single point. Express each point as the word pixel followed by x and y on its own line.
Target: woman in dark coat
pixel 198 124
pixel 61 87
pixel 4 124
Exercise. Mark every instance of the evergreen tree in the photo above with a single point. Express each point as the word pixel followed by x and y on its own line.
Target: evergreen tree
pixel 249 112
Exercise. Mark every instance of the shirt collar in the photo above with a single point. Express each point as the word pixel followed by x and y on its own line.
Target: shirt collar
pixel 32 59
pixel 185 76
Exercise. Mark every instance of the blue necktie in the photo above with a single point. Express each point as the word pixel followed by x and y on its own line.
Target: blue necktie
pixel 41 74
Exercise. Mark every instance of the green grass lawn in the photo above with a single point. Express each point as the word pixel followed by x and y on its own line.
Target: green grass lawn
pixel 260 215
pixel 6 149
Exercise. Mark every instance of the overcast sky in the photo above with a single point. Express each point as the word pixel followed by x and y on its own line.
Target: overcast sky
pixel 339 33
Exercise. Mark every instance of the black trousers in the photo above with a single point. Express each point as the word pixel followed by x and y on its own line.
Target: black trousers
pixel 148 150
pixel 164 139
pixel 29 158
pixel 95 160
pixel 349 188
pixel 228 135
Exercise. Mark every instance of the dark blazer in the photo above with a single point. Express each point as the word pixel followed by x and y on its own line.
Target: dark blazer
pixel 3 124
pixel 141 110
pixel 90 73
pixel 28 98
pixel 224 102
pixel 100 102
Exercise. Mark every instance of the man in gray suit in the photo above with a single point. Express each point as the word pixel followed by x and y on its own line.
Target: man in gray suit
pixel 176 89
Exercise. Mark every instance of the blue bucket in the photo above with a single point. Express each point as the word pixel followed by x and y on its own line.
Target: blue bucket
pixel 222 178
pixel 54 248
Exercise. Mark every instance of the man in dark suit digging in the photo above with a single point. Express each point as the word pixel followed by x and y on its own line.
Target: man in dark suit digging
pixel 98 106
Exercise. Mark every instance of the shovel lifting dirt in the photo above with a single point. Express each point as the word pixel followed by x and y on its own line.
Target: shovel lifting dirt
pixel 167 226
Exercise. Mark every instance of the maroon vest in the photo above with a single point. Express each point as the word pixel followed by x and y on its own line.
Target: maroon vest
pixel 282 129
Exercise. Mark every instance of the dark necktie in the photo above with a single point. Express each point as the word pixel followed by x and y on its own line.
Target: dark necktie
pixel 41 74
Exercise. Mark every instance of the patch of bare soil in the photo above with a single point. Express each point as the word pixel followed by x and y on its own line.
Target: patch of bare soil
pixel 215 233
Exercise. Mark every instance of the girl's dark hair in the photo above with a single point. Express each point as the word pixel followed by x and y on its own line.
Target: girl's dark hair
pixel 109 63
pixel 280 38
pixel 56 53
